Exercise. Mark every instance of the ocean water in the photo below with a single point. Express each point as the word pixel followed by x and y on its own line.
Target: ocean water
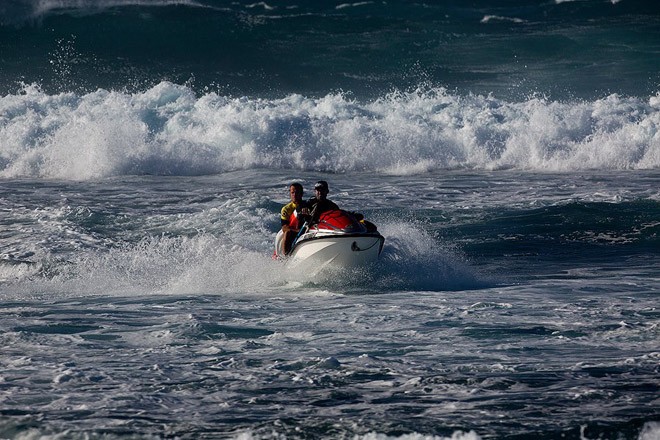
pixel 509 152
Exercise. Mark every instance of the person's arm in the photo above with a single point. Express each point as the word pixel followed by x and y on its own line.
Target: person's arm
pixel 284 217
pixel 358 215
pixel 314 206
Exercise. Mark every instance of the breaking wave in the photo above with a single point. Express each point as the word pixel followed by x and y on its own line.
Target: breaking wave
pixel 169 130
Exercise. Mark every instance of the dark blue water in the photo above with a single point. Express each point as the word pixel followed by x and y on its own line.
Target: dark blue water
pixel 514 49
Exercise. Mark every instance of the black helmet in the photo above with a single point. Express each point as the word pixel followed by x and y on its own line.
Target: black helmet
pixel 321 185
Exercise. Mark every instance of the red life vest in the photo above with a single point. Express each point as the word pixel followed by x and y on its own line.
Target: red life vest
pixel 293 220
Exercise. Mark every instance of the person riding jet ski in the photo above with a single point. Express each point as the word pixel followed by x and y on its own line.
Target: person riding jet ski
pixel 293 215
pixel 320 203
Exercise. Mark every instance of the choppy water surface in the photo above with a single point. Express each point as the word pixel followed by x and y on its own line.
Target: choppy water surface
pixel 508 152
pixel 505 305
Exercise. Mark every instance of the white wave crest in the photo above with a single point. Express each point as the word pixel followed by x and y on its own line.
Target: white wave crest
pixel 169 130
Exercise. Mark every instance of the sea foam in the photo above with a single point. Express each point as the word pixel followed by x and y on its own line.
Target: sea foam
pixel 168 130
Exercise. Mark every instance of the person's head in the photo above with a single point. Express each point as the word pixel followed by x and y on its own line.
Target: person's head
pixel 296 192
pixel 321 189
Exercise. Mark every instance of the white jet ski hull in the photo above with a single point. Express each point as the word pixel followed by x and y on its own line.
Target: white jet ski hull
pixel 336 251
pixel 338 240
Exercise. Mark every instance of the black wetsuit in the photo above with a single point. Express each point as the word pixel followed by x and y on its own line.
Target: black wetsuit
pixel 318 207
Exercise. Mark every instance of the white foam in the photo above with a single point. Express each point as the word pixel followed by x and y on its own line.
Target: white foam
pixel 457 435
pixel 42 7
pixel 352 5
pixel 650 431
pixel 498 18
pixel 168 130
pixel 234 260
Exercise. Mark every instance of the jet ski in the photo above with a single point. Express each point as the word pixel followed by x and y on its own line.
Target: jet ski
pixel 338 240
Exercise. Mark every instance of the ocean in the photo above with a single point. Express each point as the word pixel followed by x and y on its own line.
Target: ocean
pixel 508 151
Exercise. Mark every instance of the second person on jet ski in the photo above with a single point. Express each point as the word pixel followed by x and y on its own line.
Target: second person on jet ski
pixel 320 203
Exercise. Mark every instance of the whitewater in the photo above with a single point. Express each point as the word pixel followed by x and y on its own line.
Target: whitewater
pixel 512 304
pixel 168 130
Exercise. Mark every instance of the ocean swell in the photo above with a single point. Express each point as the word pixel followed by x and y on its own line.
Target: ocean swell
pixel 169 130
